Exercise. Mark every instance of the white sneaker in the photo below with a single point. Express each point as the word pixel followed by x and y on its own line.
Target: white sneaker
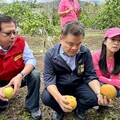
pixel 96 107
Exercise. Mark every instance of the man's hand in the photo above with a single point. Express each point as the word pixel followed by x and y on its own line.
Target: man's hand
pixel 2 96
pixel 16 82
pixel 104 101
pixel 63 104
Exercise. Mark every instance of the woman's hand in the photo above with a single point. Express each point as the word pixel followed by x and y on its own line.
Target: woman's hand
pixel 70 9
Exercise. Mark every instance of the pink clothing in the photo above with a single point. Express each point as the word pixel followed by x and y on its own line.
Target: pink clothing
pixel 64 5
pixel 105 78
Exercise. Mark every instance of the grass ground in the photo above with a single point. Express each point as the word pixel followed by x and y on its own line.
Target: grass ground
pixel 16 110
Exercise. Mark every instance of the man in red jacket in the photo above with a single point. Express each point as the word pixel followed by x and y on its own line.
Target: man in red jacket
pixel 17 67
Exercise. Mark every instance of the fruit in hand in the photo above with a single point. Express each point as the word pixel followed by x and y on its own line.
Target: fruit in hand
pixel 8 92
pixel 109 91
pixel 72 102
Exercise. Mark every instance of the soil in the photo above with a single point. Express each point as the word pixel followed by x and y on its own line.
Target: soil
pixel 16 110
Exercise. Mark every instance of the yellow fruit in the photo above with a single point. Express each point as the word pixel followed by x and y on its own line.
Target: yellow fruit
pixel 109 91
pixel 8 92
pixel 72 102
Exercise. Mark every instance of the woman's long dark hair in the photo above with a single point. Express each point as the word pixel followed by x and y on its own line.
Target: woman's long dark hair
pixel 103 64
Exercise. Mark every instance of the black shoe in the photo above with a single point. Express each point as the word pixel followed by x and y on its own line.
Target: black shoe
pixel 36 115
pixel 56 116
pixel 4 106
pixel 80 115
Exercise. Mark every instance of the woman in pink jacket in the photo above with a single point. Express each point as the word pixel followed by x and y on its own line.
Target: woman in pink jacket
pixel 107 60
pixel 69 10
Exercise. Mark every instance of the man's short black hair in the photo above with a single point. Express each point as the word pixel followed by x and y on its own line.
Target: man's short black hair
pixel 6 19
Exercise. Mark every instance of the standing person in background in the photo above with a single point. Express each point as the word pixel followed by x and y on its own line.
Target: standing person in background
pixel 69 10
pixel 17 67
pixel 107 60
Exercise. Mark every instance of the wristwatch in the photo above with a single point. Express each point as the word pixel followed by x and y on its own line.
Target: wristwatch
pixel 23 74
pixel 97 93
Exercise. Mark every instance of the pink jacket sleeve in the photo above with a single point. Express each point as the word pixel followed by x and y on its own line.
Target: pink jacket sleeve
pixel 114 82
pixel 102 78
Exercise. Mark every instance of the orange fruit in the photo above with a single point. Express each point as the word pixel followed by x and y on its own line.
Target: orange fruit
pixel 72 102
pixel 109 91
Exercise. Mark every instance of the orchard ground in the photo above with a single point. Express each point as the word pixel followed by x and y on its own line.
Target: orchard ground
pixel 16 110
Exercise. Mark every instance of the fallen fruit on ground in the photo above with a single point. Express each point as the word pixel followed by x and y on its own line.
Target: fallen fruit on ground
pixel 72 101
pixel 109 91
pixel 8 92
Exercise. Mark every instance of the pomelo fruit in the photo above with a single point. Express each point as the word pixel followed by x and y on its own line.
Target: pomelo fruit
pixel 8 92
pixel 72 102
pixel 109 91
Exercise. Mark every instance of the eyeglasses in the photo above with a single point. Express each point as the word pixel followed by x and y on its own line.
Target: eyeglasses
pixel 9 33
pixel 72 44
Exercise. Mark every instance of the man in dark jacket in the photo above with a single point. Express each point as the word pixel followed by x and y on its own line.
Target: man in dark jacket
pixel 68 70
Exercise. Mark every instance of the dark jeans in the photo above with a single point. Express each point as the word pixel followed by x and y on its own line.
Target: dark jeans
pixel 86 98
pixel 32 81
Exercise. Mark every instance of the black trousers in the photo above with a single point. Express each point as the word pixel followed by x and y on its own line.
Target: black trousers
pixel 86 98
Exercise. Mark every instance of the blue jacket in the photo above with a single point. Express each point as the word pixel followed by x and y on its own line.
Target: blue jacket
pixel 57 72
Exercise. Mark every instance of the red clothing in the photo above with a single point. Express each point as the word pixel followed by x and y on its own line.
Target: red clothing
pixel 12 63
pixel 105 78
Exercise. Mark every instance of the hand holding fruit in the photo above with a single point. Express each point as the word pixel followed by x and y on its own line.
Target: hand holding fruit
pixel 67 103
pixel 72 102
pixel 16 82
pixel 107 94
